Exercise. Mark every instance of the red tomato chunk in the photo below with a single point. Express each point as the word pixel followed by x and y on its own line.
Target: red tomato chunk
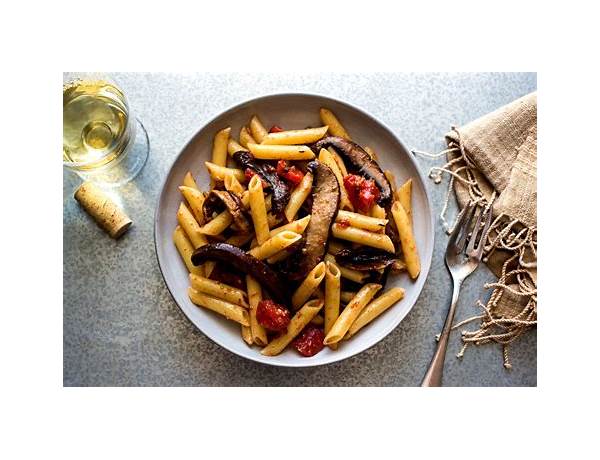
pixel 249 173
pixel 363 193
pixel 310 341
pixel 272 316
pixel 276 129
pixel 290 173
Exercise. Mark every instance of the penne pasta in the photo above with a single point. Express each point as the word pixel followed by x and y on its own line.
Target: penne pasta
pixel 185 249
pixel 195 200
pixel 219 151
pixel 354 219
pixel 220 172
pixel 247 335
pixel 257 129
pixel 274 244
pixel 227 309
pixel 233 147
pixel 188 181
pixel 404 196
pixel 308 286
pixel 281 152
pixel 325 157
pixel 374 309
pixel 296 226
pixel 298 196
pixel 407 240
pixel 358 235
pixel 295 137
pixel 302 317
pixel 339 161
pixel 392 180
pixel 378 212
pixel 217 225
pixel 258 211
pixel 259 335
pixel 335 127
pixel 348 273
pixel 332 297
pixel 219 290
pixel 246 138
pixel 190 226
pixel 351 312
pixel 233 185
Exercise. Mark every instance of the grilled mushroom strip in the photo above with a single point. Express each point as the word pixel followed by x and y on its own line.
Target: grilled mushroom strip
pixel 365 258
pixel 241 261
pixel 217 198
pixel 325 199
pixel 361 162
pixel 279 189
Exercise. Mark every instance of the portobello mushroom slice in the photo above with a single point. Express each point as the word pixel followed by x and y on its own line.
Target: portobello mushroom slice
pixel 214 203
pixel 243 262
pixel 361 162
pixel 325 199
pixel 365 258
pixel 279 189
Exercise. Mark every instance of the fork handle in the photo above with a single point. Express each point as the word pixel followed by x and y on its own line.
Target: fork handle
pixel 433 376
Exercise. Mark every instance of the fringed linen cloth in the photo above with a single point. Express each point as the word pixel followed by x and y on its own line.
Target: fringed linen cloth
pixel 493 161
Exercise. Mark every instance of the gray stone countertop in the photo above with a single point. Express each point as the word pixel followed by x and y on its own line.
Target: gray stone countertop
pixel 121 326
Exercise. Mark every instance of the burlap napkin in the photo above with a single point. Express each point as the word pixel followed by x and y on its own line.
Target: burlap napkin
pixel 493 161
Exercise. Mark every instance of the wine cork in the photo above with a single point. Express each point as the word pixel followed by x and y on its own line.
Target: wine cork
pixel 104 211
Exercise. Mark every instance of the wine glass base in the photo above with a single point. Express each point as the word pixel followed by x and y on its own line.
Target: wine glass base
pixel 127 166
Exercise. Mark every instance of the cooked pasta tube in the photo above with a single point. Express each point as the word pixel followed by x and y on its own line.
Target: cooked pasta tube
pixel 374 309
pixel 233 185
pixel 258 211
pixel 332 297
pixel 298 195
pixel 407 240
pixel 360 221
pixel 347 296
pixel 281 152
pixel 257 129
pixel 219 151
pixel 195 200
pixel 227 309
pixel 259 335
pixel 296 226
pixel 220 172
pixel 335 127
pixel 247 335
pixel 185 249
pixel 217 225
pixel 295 137
pixel 308 286
pixel 188 181
pixel 274 244
pixel 351 312
pixel 378 212
pixel 404 195
pixel 325 157
pixel 190 226
pixel 392 180
pixel 358 235
pixel 245 137
pixel 281 255
pixel 348 273
pixel 338 159
pixel 219 290
pixel 233 146
pixel 302 317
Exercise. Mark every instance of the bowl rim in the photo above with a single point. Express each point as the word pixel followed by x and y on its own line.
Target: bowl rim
pixel 424 267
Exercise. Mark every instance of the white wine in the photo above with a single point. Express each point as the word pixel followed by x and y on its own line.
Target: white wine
pixel 96 128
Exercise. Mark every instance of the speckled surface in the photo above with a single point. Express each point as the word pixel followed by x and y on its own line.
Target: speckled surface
pixel 120 325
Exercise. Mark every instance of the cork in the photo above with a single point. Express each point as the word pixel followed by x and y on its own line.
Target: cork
pixel 104 211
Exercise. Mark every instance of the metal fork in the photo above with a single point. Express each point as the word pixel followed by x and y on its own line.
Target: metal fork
pixel 461 263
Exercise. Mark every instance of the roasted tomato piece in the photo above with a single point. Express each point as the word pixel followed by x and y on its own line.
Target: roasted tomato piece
pixel 276 129
pixel 249 173
pixel 272 316
pixel 290 173
pixel 363 193
pixel 310 341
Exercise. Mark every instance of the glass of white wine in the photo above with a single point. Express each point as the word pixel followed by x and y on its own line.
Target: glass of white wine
pixel 102 141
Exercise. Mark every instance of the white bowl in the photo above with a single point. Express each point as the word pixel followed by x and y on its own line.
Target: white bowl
pixel 292 111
